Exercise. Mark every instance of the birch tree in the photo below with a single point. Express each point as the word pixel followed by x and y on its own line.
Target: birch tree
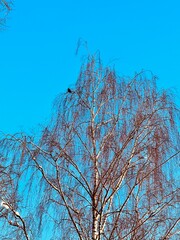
pixel 106 167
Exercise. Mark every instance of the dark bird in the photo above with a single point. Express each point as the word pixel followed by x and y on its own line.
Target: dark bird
pixel 69 90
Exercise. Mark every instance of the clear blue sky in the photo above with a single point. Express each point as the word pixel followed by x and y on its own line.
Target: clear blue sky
pixel 38 61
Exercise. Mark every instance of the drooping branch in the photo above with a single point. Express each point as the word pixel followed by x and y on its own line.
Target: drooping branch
pixel 104 166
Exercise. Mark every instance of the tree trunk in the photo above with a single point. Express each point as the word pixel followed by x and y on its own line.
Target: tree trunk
pixel 95 214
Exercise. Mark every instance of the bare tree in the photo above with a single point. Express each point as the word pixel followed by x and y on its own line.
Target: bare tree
pixel 5 8
pixel 104 168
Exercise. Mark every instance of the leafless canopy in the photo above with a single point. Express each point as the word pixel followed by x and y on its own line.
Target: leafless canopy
pixel 104 168
pixel 5 8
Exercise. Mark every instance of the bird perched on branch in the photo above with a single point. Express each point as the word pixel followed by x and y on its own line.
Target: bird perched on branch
pixel 69 90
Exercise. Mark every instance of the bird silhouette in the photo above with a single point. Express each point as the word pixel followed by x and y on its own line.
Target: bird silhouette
pixel 69 90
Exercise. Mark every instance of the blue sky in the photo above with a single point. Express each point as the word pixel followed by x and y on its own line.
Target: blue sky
pixel 38 46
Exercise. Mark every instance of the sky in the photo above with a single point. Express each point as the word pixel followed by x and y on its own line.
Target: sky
pixel 38 45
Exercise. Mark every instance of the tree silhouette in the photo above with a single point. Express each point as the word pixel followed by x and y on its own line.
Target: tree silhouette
pixel 104 168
